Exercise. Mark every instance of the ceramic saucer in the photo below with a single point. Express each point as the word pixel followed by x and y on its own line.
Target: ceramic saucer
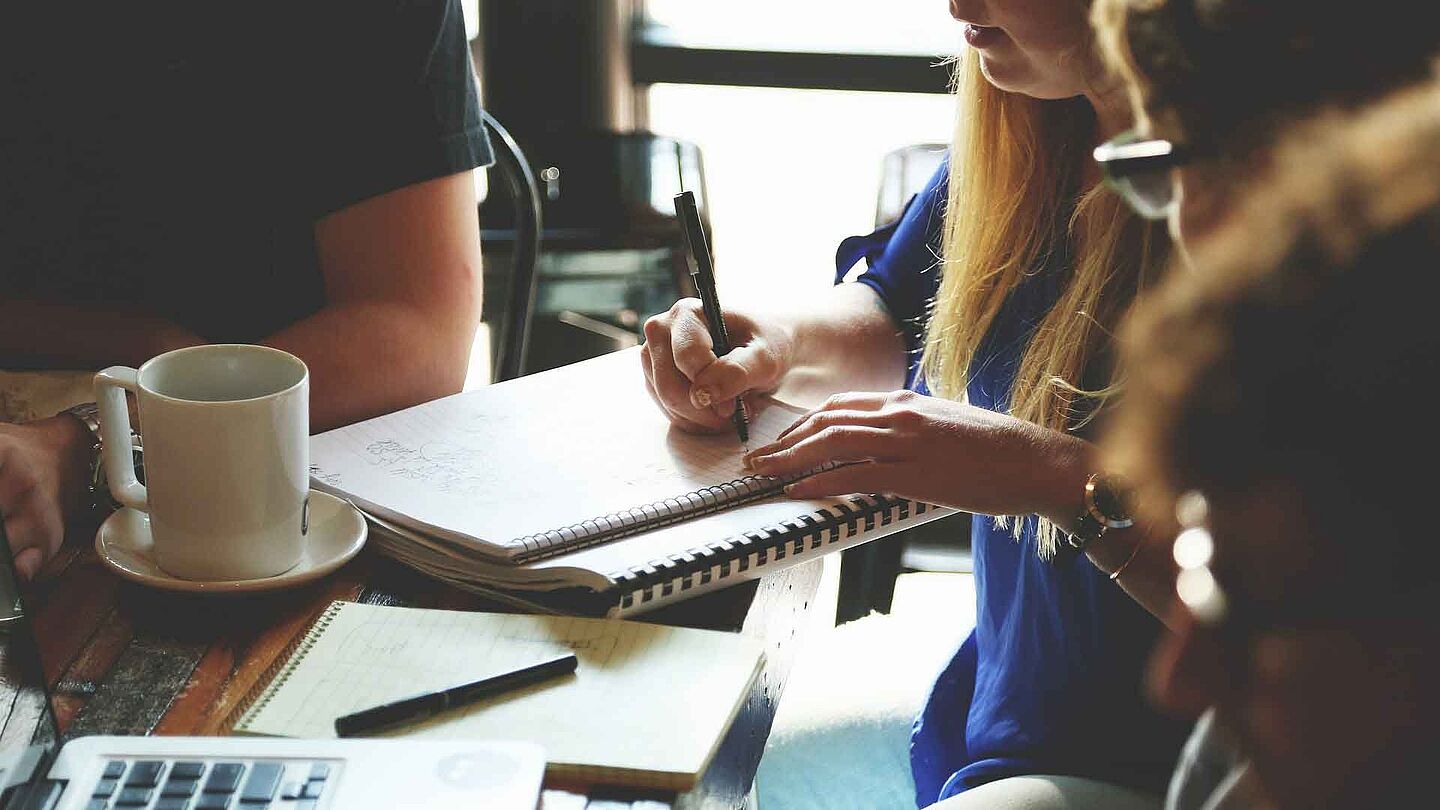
pixel 337 533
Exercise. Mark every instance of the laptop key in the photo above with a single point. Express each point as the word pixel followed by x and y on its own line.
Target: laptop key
pixel 292 790
pixel 171 803
pixel 264 779
pixel 97 804
pixel 104 788
pixel 213 801
pixel 319 770
pixel 312 789
pixel 134 797
pixel 43 794
pixel 187 770
pixel 113 769
pixel 145 773
pixel 179 787
pixel 224 777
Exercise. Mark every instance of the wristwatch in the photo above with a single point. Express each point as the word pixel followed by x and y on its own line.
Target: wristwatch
pixel 1107 506
pixel 101 501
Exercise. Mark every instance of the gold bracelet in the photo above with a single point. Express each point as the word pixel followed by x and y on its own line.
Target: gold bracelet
pixel 1114 575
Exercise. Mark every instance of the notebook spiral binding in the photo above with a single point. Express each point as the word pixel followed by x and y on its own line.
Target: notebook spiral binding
pixel 733 556
pixel 280 669
pixel 616 525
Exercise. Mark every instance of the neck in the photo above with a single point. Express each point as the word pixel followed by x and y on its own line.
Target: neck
pixel 1112 117
pixel 1112 112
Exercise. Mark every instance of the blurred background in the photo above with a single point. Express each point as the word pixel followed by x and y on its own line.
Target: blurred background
pixel 796 123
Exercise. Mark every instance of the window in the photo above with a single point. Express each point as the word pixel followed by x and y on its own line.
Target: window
pixel 900 27
pixel 791 171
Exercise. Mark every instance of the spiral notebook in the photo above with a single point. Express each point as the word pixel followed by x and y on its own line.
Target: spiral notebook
pixel 574 479
pixel 647 706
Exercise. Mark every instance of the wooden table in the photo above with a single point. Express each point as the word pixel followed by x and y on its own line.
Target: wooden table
pixel 125 659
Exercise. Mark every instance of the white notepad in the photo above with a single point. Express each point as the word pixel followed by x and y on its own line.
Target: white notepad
pixel 544 464
pixel 572 479
pixel 647 705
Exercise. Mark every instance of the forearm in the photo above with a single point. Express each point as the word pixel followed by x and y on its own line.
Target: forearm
pixel 402 272
pixel 1148 573
pixel 55 335
pixel 368 358
pixel 844 341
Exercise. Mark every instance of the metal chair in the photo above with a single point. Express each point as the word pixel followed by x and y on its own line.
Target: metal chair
pixel 903 174
pixel 513 336
pixel 613 249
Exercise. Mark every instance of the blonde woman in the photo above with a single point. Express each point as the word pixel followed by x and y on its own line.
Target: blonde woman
pixel 1042 704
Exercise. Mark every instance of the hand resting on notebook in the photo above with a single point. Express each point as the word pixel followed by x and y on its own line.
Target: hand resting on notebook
pixel 929 449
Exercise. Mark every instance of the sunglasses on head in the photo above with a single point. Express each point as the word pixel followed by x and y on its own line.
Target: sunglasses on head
pixel 1138 169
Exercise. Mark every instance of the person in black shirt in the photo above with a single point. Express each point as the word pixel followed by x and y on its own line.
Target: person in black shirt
pixel 178 172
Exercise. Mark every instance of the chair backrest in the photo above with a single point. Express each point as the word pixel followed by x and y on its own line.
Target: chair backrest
pixel 613 251
pixel 903 175
pixel 513 336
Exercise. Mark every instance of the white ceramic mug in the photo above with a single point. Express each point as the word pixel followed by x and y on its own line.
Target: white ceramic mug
pixel 227 441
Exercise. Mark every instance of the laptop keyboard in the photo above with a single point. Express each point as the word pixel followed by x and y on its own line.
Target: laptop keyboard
pixel 184 784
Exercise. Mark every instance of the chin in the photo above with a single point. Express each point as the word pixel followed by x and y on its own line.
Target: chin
pixel 1010 79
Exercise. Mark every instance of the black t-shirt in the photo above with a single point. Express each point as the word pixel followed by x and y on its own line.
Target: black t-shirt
pixel 174 155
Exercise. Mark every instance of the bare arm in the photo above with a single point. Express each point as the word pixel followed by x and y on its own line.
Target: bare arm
pixel 402 290
pixel 842 340
pixel 956 454
pixel 1149 576
pixel 402 283
pixel 59 335
pixel 846 342
pixel 1148 573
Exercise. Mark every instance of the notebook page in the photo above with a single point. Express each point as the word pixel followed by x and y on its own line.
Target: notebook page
pixel 539 453
pixel 646 701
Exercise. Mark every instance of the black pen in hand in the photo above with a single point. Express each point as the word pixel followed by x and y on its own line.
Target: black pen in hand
pixel 702 273
pixel 418 707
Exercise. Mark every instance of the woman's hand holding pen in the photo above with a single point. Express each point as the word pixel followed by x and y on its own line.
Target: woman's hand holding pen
pixel 930 449
pixel 696 389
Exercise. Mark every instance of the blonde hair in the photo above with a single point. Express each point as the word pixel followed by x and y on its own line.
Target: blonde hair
pixel 1016 204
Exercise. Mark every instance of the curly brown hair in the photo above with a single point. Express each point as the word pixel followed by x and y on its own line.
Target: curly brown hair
pixel 1305 344
pixel 1227 74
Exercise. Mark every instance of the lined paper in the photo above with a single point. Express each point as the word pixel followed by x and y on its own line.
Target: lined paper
pixel 647 704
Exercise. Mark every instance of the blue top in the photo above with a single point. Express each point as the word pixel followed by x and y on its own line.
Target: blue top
pixel 1050 679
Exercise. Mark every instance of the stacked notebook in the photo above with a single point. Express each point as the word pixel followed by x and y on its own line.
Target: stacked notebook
pixel 570 488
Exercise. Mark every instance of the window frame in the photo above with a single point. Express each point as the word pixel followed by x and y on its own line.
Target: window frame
pixel 659 56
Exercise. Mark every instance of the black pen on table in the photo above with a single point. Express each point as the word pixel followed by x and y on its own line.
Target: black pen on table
pixel 702 272
pixel 418 707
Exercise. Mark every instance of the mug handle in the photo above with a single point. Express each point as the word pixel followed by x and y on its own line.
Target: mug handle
pixel 116 452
